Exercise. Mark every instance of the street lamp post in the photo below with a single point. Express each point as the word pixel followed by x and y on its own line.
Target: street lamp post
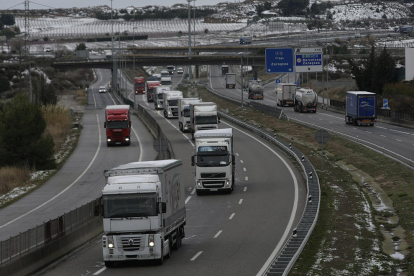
pixel 194 24
pixel 189 38
pixel 242 83
pixel 114 69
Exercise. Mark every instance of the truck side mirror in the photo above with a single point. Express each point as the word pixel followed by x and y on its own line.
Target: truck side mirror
pixel 218 119
pixel 129 123
pixel 233 159
pixel 192 160
pixel 97 212
pixel 161 208
pixel 104 124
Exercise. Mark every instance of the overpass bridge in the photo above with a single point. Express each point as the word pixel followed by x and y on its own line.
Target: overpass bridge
pixel 199 49
pixel 146 60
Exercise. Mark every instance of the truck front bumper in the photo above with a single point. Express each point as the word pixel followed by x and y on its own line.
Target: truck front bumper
pixel 213 184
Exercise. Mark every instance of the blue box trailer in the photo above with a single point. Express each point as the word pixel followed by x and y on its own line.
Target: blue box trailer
pixel 361 108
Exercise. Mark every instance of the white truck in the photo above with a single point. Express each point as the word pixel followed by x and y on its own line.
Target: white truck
pixel 184 112
pixel 159 96
pixel 305 100
pixel 285 93
pixel 143 211
pixel 230 80
pixel 203 116
pixel 167 81
pixel 214 160
pixel 170 104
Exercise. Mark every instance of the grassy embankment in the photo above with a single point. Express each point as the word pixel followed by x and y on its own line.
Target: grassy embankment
pixel 347 239
pixel 58 125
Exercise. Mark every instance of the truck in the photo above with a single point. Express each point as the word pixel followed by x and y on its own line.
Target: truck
pixel 361 108
pixel 246 40
pixel 118 125
pixel 150 88
pixel 108 54
pixel 171 69
pixel 203 116
pixel 140 85
pixel 305 99
pixel 170 104
pixel 184 113
pixel 164 73
pixel 166 81
pixel 214 160
pixel 285 93
pixel 255 90
pixel 230 80
pixel 224 70
pixel 143 211
pixel 159 96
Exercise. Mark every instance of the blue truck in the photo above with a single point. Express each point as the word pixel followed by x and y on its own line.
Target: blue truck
pixel 361 108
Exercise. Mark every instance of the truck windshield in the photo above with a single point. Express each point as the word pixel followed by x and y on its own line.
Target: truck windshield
pixel 140 84
pixel 203 120
pixel 165 82
pixel 213 158
pixel 117 124
pixel 186 112
pixel 173 102
pixel 160 96
pixel 130 205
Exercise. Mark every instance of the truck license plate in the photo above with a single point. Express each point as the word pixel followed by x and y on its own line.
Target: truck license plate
pixel 213 190
pixel 366 121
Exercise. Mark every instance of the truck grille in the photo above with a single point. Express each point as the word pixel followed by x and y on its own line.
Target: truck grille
pixel 174 111
pixel 132 243
pixel 213 184
pixel 211 127
pixel 118 136
pixel 213 175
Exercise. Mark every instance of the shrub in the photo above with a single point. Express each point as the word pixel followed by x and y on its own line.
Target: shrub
pixel 12 177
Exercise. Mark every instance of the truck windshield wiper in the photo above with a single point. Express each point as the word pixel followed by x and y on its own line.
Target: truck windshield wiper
pixel 128 215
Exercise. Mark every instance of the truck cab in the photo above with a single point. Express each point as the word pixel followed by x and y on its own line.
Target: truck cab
pixel 203 116
pixel 118 125
pixel 171 69
pixel 166 81
pixel 214 161
pixel 184 113
pixel 159 96
pixel 140 85
pixel 170 104
pixel 150 87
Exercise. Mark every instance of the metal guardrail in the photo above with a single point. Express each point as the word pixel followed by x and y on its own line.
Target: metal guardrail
pixel 40 236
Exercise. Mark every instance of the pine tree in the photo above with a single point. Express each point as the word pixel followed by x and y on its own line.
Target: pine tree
pixel 384 71
pixel 22 139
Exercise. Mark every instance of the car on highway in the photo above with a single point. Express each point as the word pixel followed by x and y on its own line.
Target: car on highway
pixel 48 49
pixel 180 70
pixel 102 89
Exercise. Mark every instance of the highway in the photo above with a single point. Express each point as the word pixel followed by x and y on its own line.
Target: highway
pixel 226 234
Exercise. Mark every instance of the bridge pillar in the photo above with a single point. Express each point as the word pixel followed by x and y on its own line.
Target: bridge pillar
pixel 254 72
pixel 197 72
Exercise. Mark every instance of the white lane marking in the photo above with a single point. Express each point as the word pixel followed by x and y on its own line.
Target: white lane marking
pixel 218 233
pixel 399 140
pixel 196 255
pixel 369 131
pixel 394 130
pixel 246 178
pixel 188 198
pixel 294 209
pixel 240 201
pixel 70 185
pixel 244 169
pixel 193 191
pixel 100 271
pixel 232 215
pixel 93 95
pixel 245 189
pixel 241 161
pixel 237 154
pixel 383 135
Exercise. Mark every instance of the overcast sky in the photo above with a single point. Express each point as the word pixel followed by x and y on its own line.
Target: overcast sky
pixel 4 4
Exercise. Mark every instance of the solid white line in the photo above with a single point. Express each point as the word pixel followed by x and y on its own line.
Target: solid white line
pixel 399 140
pixel 188 198
pixel 383 135
pixel 240 201
pixel 218 233
pixel 294 209
pixel 68 187
pixel 241 161
pixel 245 189
pixel 244 169
pixel 237 154
pixel 193 191
pixel 196 255
pixel 232 215
pixel 100 270
pixel 139 143
pixel 369 131
pixel 93 95
pixel 247 178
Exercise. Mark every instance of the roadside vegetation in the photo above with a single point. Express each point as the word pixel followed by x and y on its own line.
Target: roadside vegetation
pixel 351 236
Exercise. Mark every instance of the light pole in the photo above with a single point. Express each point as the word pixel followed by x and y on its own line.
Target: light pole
pixel 114 69
pixel 242 83
pixel 194 23
pixel 189 38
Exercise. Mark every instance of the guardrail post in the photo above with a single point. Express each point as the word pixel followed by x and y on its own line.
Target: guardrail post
pixel 10 249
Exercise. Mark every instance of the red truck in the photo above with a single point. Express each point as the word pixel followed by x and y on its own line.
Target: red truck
pixel 118 125
pixel 140 85
pixel 150 87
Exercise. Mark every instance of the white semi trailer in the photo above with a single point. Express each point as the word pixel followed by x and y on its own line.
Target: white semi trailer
pixel 305 100
pixel 170 104
pixel 203 116
pixel 214 160
pixel 184 112
pixel 285 93
pixel 143 211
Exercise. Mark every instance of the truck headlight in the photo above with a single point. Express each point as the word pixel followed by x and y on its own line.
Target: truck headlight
pixel 127 139
pixel 151 241
pixel 110 241
pixel 109 140
pixel 169 112
pixel 227 183
pixel 199 184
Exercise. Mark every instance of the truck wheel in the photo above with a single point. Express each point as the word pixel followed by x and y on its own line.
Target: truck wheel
pixel 181 127
pixel 199 192
pixel 177 240
pixel 371 124
pixel 109 264
pixel 169 248
pixel 160 261
pixel 355 122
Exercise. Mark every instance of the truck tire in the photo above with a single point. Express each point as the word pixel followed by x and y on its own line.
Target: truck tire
pixel 169 248
pixel 181 127
pixel 160 261
pixel 109 264
pixel 355 122
pixel 199 192
pixel 177 240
